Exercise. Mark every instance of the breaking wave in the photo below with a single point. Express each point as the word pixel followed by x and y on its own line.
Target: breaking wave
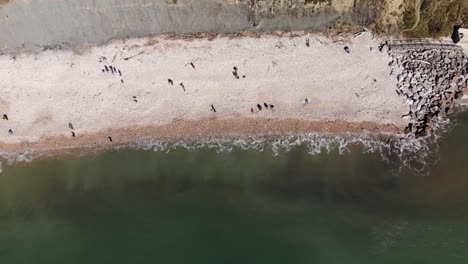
pixel 404 153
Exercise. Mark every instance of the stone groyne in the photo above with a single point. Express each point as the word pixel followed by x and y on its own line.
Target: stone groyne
pixel 431 77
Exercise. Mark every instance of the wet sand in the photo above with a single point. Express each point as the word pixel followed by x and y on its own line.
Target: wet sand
pixel 348 92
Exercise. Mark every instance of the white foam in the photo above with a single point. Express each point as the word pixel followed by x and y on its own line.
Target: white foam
pixel 416 154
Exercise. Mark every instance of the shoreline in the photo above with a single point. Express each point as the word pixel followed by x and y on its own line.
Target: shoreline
pixel 192 132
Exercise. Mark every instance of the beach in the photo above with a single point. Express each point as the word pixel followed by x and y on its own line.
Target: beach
pixel 44 93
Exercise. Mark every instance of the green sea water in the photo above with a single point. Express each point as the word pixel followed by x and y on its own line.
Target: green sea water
pixel 141 206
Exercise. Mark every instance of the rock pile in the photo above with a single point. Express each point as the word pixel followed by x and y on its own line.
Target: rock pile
pixel 430 79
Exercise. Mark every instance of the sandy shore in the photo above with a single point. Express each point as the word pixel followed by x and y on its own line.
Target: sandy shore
pixel 349 92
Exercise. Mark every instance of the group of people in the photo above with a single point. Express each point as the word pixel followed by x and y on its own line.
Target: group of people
pixel 260 108
pixel 113 70
pixel 5 117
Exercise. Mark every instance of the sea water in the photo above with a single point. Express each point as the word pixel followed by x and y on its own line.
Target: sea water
pixel 259 205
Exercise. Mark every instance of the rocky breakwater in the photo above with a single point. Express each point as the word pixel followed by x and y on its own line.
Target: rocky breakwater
pixel 431 78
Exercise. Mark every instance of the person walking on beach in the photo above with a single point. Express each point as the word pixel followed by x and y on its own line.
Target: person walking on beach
pixel 234 72
pixel 73 134
pixel 182 85
pixel 170 82
pixel 110 139
pixel 70 125
pixel 213 109
pixel 5 117
pixel 10 131
pixel 259 107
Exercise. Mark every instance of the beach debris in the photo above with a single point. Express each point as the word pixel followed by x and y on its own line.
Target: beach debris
pixel 70 125
pixel 170 82
pixel 121 80
pixel 359 33
pixel 10 131
pixel 251 110
pixel 133 56
pixel 346 48
pixel 5 117
pixel 213 109
pixel 307 42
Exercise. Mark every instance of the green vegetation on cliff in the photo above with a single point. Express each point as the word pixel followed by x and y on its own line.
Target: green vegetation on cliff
pixel 436 18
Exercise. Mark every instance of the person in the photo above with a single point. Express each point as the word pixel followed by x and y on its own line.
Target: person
pixel 120 73
pixel 213 109
pixel 110 139
pixel 70 125
pixel 307 42
pixel 73 134
pixel 170 81
pixel 10 131
pixel 271 106
pixel 259 107
pixel 193 65
pixel 105 67
pixel 251 110
pixel 346 48
pixel 306 101
pixel 182 85
pixel 5 117
pixel 265 104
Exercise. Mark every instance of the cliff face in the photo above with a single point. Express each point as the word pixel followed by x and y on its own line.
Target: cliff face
pixel 27 25
pixel 35 25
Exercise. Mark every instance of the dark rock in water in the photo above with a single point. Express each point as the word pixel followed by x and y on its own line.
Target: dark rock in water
pixel 455 34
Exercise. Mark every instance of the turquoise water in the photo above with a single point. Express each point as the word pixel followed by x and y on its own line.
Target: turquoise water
pixel 137 206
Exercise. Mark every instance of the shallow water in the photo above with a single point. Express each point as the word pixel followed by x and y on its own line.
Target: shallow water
pixel 142 206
